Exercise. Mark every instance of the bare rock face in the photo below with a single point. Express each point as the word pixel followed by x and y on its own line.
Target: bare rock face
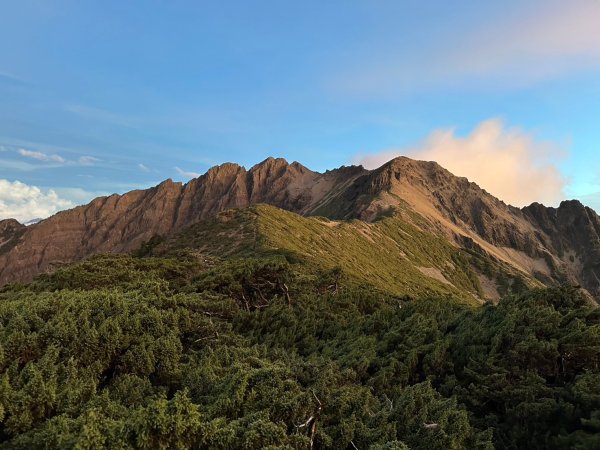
pixel 107 224
pixel 573 235
pixel 551 244
pixel 464 204
pixel 121 223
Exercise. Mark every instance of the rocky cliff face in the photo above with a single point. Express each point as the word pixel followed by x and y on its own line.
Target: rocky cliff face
pixel 551 244
pixel 571 232
pixel 121 223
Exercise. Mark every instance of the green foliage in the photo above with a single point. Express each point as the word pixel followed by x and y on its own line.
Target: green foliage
pixel 105 271
pixel 250 281
pixel 394 254
pixel 385 254
pixel 520 364
pixel 148 247
pixel 265 351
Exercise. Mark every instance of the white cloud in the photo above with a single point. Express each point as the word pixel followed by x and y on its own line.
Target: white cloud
pixel 41 156
pixel 143 167
pixel 186 174
pixel 507 162
pixel 24 202
pixel 88 160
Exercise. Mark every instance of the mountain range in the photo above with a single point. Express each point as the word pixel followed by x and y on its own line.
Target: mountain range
pixel 405 227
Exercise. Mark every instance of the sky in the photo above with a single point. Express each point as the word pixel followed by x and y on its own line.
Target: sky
pixel 105 97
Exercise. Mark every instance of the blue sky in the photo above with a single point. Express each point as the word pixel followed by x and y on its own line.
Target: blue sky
pixel 103 97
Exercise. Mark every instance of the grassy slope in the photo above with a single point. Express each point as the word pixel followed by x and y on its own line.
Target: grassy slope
pixel 385 254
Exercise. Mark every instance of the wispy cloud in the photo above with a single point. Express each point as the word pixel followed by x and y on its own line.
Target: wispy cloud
pixel 41 156
pixel 187 174
pixel 88 160
pixel 554 37
pixel 541 40
pixel 9 78
pixel 507 162
pixel 181 117
pixel 85 160
pixel 143 167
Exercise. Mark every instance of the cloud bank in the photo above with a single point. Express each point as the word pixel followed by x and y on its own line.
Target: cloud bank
pixel 24 202
pixel 506 162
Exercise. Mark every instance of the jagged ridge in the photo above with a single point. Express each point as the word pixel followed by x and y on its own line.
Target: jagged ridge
pixel 551 245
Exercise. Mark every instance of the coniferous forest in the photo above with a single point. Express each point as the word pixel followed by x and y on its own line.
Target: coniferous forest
pixel 181 352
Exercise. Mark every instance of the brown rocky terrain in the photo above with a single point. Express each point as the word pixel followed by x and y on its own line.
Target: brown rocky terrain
pixel 550 244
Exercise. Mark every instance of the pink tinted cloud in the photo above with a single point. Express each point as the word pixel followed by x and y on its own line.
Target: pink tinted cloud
pixel 507 162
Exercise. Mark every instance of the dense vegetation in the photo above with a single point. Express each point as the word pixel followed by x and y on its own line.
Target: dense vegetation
pixel 247 353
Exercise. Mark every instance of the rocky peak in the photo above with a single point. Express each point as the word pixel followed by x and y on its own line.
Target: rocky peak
pixel 572 233
pixel 571 216
pixel 273 168
pixel 275 181
pixel 222 171
pixel 270 164
pixel 9 225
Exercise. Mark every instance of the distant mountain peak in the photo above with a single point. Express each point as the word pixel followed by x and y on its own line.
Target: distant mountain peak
pixel 32 221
